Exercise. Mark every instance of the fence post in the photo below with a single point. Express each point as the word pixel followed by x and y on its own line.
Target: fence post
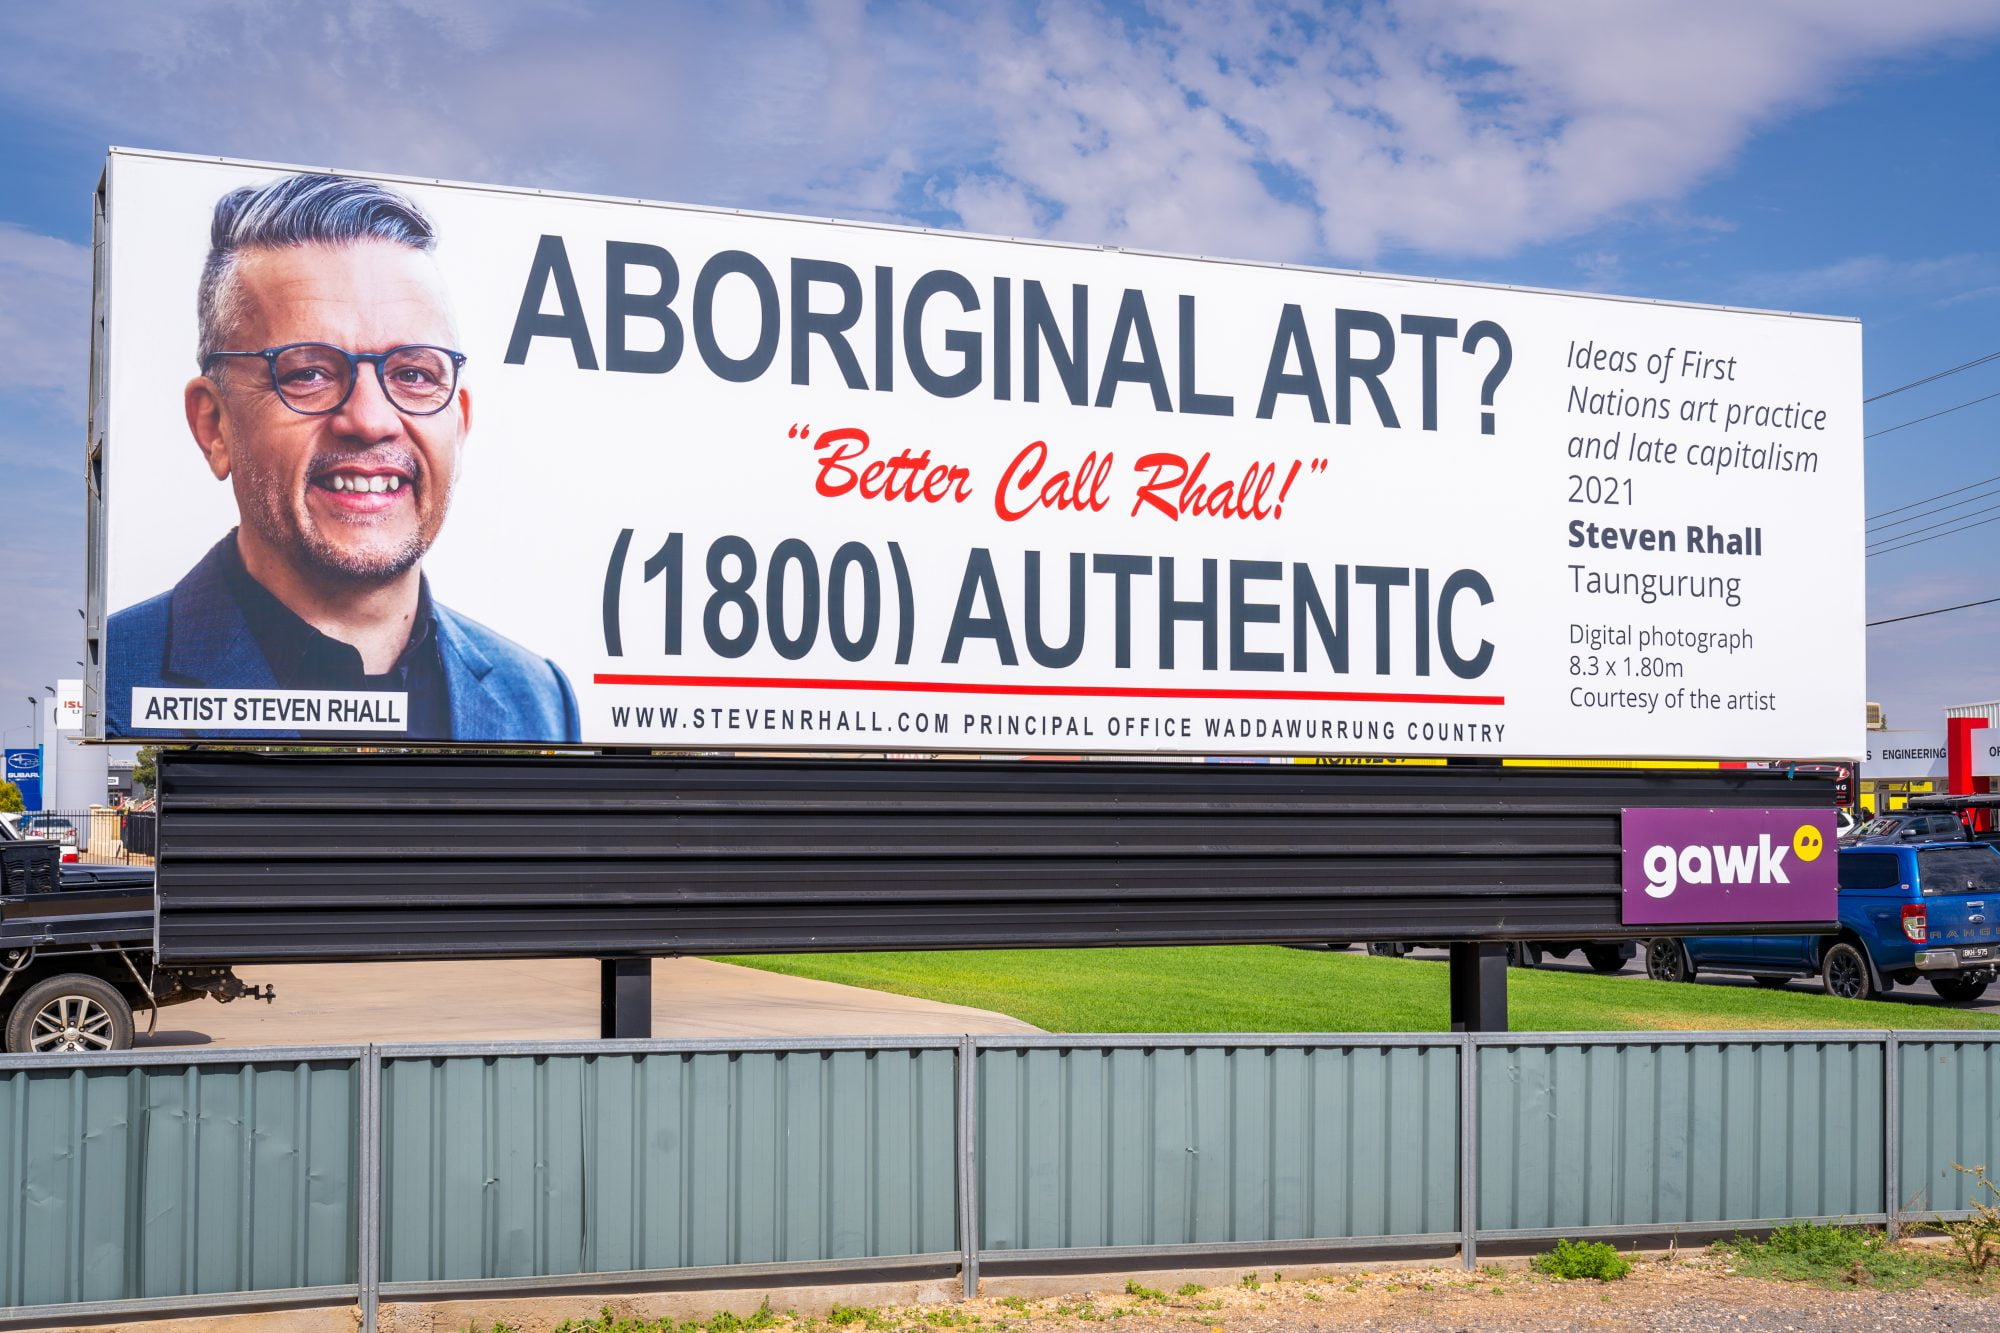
pixel 1892 1132
pixel 1468 1148
pixel 368 1162
pixel 968 1172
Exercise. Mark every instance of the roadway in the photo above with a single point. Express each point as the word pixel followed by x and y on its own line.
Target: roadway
pixel 1919 994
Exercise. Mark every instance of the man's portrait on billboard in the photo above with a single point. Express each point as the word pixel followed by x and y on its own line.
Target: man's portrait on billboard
pixel 330 396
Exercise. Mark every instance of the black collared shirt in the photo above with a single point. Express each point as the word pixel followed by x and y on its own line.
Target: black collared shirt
pixel 302 658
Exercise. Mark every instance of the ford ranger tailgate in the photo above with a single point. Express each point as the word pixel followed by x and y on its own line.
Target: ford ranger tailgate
pixel 1961 897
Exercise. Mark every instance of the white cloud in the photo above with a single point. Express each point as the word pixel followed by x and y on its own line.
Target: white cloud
pixel 1463 128
pixel 1958 277
pixel 1453 127
pixel 44 314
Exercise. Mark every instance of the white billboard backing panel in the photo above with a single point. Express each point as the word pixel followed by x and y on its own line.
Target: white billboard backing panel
pixel 717 480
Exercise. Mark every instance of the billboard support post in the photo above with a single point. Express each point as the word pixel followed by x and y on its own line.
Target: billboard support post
pixel 625 998
pixel 1478 987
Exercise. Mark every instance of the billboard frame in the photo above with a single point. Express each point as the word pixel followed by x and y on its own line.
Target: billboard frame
pixel 99 428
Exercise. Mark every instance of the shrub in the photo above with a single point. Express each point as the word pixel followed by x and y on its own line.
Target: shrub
pixel 1574 1259
pixel 1829 1255
pixel 1976 1238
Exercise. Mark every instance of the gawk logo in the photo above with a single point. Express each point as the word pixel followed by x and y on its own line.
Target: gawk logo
pixel 1667 867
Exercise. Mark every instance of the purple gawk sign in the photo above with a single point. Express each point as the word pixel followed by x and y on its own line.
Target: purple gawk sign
pixel 1697 867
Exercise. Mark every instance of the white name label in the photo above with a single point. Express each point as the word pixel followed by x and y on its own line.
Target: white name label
pixel 271 710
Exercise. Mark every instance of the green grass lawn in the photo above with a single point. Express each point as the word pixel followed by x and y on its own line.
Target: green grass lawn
pixel 1270 989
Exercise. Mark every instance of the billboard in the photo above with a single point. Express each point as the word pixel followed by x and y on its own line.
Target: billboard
pixel 388 461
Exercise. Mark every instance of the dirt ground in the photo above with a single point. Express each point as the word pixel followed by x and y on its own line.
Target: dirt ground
pixel 1694 1291
pixel 1698 1292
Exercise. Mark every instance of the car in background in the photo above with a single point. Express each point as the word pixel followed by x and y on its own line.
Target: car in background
pixel 1600 955
pixel 11 831
pixel 1906 826
pixel 1928 911
pixel 54 827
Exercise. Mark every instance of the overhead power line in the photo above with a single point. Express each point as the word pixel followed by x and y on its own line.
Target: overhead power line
pixel 1931 379
pixel 1890 430
pixel 1979 523
pixel 1901 536
pixel 1926 513
pixel 1985 481
pixel 1919 615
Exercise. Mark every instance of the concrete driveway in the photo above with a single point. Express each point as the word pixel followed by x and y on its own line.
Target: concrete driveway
pixel 544 1000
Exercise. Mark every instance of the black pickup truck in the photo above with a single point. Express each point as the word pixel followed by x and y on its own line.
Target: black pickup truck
pixel 76 953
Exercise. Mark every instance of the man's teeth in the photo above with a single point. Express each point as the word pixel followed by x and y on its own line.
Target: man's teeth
pixel 340 481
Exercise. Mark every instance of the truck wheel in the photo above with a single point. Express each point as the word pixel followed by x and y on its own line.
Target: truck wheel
pixel 1844 969
pixel 72 1012
pixel 1384 949
pixel 1667 960
pixel 1604 959
pixel 1958 990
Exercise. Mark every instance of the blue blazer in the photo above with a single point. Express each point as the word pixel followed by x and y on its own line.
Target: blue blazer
pixel 195 636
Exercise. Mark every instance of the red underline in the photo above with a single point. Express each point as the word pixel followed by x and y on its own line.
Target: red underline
pixel 1067 691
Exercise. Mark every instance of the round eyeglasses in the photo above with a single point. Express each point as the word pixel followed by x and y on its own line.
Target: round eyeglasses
pixel 316 379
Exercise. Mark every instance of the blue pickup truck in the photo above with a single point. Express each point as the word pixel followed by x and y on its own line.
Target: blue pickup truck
pixel 1927 911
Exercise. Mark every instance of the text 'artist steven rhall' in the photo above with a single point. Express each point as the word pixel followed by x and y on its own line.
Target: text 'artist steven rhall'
pixel 329 398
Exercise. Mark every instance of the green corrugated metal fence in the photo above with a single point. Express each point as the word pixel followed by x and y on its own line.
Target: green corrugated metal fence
pixel 1949 1113
pixel 1643 1132
pixel 1181 1145
pixel 174 1183
pixel 126 1182
pixel 529 1165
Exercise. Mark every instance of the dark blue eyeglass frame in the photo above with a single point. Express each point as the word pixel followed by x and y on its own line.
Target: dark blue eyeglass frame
pixel 379 360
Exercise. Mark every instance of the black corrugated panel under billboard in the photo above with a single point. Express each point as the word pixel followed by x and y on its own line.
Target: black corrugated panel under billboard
pixel 276 857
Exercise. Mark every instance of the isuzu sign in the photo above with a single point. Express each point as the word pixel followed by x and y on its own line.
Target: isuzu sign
pixel 1691 867
pixel 394 460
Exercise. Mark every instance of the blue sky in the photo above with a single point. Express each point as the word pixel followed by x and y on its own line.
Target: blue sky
pixel 1819 155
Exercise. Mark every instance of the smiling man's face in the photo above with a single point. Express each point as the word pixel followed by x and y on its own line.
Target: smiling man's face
pixel 357 495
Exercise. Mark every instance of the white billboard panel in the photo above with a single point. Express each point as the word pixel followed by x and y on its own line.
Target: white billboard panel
pixel 470 464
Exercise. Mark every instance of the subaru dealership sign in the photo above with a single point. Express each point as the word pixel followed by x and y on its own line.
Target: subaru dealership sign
pixel 24 770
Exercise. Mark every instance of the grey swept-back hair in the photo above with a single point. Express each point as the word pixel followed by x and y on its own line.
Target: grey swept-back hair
pixel 306 209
